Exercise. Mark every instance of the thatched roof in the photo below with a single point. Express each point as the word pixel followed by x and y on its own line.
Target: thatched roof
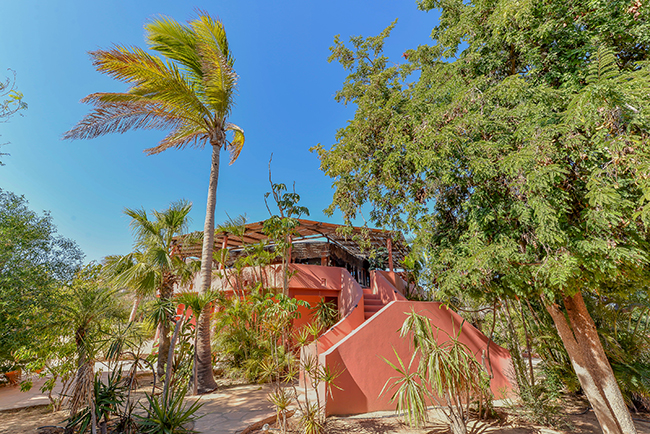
pixel 347 237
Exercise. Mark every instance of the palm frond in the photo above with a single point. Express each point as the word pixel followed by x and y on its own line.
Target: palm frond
pixel 174 41
pixel 140 224
pixel 149 76
pixel 219 79
pixel 119 117
pixel 233 225
pixel 180 137
pixel 237 143
pixel 213 31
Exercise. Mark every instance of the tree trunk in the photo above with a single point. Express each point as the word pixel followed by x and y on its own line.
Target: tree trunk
pixel 163 348
pixel 590 363
pixel 205 378
pixel 136 303
pixel 170 361
pixel 166 293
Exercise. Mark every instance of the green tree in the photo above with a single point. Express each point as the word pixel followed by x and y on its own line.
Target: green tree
pixel 34 262
pixel 155 265
pixel 516 147
pixel 11 101
pixel 190 90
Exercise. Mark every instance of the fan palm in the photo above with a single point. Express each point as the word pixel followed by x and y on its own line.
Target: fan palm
pixel 154 265
pixel 87 307
pixel 190 90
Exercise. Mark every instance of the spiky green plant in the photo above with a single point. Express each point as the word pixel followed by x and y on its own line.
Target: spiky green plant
pixel 155 265
pixel 447 373
pixel 168 414
pixel 326 313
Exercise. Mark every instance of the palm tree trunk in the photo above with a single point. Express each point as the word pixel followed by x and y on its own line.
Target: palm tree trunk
pixel 136 303
pixel 166 293
pixel 590 363
pixel 205 378
pixel 163 348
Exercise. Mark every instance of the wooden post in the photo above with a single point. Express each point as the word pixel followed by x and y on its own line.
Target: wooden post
pixel 389 245
pixel 323 261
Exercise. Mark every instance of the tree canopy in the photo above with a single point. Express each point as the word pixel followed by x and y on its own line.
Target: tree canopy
pixel 34 263
pixel 517 157
pixel 516 148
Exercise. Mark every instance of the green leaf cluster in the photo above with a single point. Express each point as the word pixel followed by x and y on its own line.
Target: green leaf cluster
pixel 515 146
pixel 34 263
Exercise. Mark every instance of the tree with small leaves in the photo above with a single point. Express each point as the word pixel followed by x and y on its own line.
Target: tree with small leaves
pixel 516 148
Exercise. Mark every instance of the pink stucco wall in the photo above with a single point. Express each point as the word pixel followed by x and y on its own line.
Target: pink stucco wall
pixel 384 287
pixel 359 356
pixel 315 277
pixel 350 310
pixel 394 279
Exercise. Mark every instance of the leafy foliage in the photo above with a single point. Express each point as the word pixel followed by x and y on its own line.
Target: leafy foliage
pixel 11 101
pixel 515 147
pixel 326 314
pixel 34 262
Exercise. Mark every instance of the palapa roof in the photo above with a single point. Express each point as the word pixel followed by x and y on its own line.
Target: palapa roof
pixel 343 235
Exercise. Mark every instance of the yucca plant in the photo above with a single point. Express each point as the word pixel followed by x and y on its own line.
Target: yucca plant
pixel 411 395
pixel 447 373
pixel 107 399
pixel 281 398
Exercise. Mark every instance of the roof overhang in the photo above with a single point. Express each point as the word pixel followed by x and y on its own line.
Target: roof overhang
pixel 359 241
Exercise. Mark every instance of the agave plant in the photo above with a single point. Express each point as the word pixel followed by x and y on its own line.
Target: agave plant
pixel 168 414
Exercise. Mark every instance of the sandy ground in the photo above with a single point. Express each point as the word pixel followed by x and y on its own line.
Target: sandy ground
pixel 28 420
pixel 233 408
pixel 388 423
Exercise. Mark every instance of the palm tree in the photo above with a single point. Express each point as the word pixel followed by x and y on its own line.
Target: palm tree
pixel 198 303
pixel 190 90
pixel 154 265
pixel 86 308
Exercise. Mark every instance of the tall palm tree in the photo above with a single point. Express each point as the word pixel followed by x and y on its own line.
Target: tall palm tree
pixel 190 90
pixel 154 265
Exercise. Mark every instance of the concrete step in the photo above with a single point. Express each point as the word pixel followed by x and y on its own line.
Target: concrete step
pixel 372 296
pixel 372 302
pixel 367 291
pixel 373 308
pixel 367 315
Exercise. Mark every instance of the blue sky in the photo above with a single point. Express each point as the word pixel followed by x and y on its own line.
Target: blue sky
pixel 285 106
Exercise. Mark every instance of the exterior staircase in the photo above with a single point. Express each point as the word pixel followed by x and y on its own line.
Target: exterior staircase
pixel 371 303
